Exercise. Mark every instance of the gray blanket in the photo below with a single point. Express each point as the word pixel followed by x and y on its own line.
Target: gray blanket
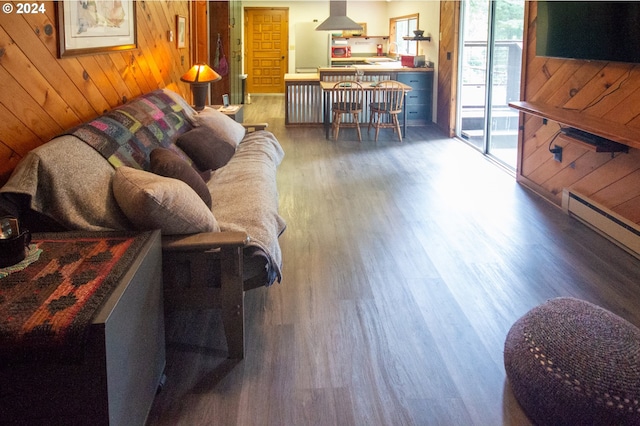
pixel 245 196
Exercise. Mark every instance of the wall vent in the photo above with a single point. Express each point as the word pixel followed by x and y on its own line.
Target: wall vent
pixel 618 229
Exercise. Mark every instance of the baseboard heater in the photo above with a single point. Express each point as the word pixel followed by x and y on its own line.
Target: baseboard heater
pixel 621 231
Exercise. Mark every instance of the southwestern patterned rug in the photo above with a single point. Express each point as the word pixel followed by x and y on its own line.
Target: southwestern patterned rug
pixel 46 309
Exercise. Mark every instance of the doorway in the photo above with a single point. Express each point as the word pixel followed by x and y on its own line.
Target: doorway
pixel 266 34
pixel 489 76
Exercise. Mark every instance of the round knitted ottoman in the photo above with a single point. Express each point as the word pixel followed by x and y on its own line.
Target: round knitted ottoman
pixel 570 362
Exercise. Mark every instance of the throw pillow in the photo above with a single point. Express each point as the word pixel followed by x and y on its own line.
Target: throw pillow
pixel 226 129
pixel 156 202
pixel 205 149
pixel 167 163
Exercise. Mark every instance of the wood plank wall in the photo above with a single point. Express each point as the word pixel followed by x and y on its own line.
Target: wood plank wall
pixel 42 95
pixel 448 66
pixel 597 89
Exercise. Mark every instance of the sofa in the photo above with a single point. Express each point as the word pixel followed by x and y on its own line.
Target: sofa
pixel 200 177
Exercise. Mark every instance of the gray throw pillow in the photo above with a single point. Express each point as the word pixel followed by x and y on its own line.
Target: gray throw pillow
pixel 205 148
pixel 225 128
pixel 166 163
pixel 156 202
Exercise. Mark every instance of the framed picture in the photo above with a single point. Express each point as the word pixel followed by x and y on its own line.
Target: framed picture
pixel 181 31
pixel 98 26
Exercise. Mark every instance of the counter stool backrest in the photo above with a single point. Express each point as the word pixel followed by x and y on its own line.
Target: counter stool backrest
pixel 347 99
pixel 386 102
pixel 387 97
pixel 347 96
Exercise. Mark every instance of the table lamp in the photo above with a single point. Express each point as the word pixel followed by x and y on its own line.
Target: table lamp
pixel 199 76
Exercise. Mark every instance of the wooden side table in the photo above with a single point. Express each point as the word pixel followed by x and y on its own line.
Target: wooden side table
pixel 234 111
pixel 116 380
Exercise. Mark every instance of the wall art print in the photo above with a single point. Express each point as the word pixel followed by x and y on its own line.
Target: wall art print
pixel 181 31
pixel 95 26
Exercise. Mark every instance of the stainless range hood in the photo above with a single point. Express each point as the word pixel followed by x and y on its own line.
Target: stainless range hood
pixel 338 19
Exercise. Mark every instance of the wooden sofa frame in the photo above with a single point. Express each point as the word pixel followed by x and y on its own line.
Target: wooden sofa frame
pixel 200 251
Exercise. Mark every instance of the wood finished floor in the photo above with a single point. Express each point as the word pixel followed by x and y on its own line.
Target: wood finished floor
pixel 405 265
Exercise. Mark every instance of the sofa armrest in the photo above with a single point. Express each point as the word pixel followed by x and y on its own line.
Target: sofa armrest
pixel 203 241
pixel 197 251
pixel 254 127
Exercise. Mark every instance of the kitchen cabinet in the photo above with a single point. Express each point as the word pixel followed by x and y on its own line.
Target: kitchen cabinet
pixel 420 99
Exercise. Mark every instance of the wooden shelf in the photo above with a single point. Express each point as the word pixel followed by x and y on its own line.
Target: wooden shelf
pixel 360 36
pixel 598 126
pixel 417 38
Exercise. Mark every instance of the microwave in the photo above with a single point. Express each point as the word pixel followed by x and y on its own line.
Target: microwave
pixel 340 51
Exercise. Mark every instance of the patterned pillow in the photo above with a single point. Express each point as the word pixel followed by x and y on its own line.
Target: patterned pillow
pixel 156 202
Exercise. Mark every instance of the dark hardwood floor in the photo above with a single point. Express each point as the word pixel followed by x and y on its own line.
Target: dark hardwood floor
pixel 405 265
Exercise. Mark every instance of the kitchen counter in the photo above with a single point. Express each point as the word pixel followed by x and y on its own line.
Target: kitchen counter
pixel 394 66
pixel 380 62
pixel 305 76
pixel 367 68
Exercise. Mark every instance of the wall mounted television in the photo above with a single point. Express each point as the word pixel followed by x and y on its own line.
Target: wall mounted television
pixel 590 30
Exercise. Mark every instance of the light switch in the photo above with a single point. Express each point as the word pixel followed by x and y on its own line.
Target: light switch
pixel 170 36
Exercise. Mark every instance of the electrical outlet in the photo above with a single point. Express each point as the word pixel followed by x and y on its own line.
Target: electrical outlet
pixel 557 153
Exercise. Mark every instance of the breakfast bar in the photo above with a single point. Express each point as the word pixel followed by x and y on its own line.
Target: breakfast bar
pixel 368 87
pixel 304 103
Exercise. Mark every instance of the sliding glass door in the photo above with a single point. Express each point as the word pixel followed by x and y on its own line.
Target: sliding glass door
pixel 490 64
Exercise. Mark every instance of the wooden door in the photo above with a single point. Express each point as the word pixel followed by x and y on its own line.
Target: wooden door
pixel 448 66
pixel 266 40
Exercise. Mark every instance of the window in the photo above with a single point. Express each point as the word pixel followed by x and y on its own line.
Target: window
pixel 400 27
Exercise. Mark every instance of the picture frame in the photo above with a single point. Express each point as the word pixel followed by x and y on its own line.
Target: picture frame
pixel 181 31
pixel 87 28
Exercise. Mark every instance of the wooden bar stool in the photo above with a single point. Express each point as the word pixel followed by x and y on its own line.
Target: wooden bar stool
pixel 386 101
pixel 347 99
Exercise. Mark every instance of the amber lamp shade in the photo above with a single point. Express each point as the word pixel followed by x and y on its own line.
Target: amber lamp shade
pixel 199 76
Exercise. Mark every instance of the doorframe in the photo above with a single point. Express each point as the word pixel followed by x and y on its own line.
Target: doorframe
pixel 488 147
pixel 447 87
pixel 199 30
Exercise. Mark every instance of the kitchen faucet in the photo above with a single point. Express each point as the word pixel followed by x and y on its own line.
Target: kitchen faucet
pixel 397 51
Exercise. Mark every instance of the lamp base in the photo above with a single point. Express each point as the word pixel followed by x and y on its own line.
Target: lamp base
pixel 199 91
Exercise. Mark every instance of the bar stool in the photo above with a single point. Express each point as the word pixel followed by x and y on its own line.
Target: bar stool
pixel 347 99
pixel 387 100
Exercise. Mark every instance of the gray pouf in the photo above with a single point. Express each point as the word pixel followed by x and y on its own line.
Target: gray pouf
pixel 571 362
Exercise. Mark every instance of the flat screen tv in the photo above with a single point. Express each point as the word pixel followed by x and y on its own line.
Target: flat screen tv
pixel 591 30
